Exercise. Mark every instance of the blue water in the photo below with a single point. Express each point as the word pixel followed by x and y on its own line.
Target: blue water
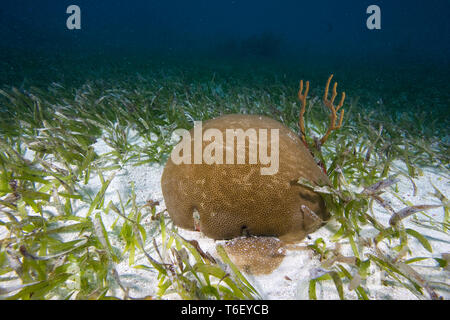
pixel 337 29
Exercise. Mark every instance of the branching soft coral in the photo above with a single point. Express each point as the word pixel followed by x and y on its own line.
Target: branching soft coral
pixel 329 103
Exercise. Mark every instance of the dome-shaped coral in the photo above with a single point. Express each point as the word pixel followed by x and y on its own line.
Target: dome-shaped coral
pixel 229 200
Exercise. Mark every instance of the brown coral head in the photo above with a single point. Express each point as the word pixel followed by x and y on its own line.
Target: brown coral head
pixel 253 146
pixel 225 200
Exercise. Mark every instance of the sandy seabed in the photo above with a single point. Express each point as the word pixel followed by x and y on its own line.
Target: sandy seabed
pixel 291 279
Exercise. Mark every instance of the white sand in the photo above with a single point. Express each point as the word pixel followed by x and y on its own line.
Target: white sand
pixel 290 279
pixel 300 266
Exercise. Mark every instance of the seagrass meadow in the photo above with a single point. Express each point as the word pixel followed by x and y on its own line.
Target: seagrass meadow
pixel 84 138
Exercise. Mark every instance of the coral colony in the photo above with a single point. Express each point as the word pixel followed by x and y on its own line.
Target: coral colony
pixel 213 152
pixel 227 199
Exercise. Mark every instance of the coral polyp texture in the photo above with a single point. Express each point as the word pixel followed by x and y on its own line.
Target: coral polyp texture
pixel 229 200
pixel 256 255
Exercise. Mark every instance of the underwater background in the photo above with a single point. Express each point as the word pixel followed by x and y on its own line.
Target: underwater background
pixel 401 68
pixel 86 122
pixel 403 65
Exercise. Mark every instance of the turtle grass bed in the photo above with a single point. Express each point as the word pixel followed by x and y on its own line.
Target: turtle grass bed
pixel 49 249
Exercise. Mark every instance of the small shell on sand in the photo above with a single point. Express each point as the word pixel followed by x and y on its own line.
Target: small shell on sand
pixel 256 255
